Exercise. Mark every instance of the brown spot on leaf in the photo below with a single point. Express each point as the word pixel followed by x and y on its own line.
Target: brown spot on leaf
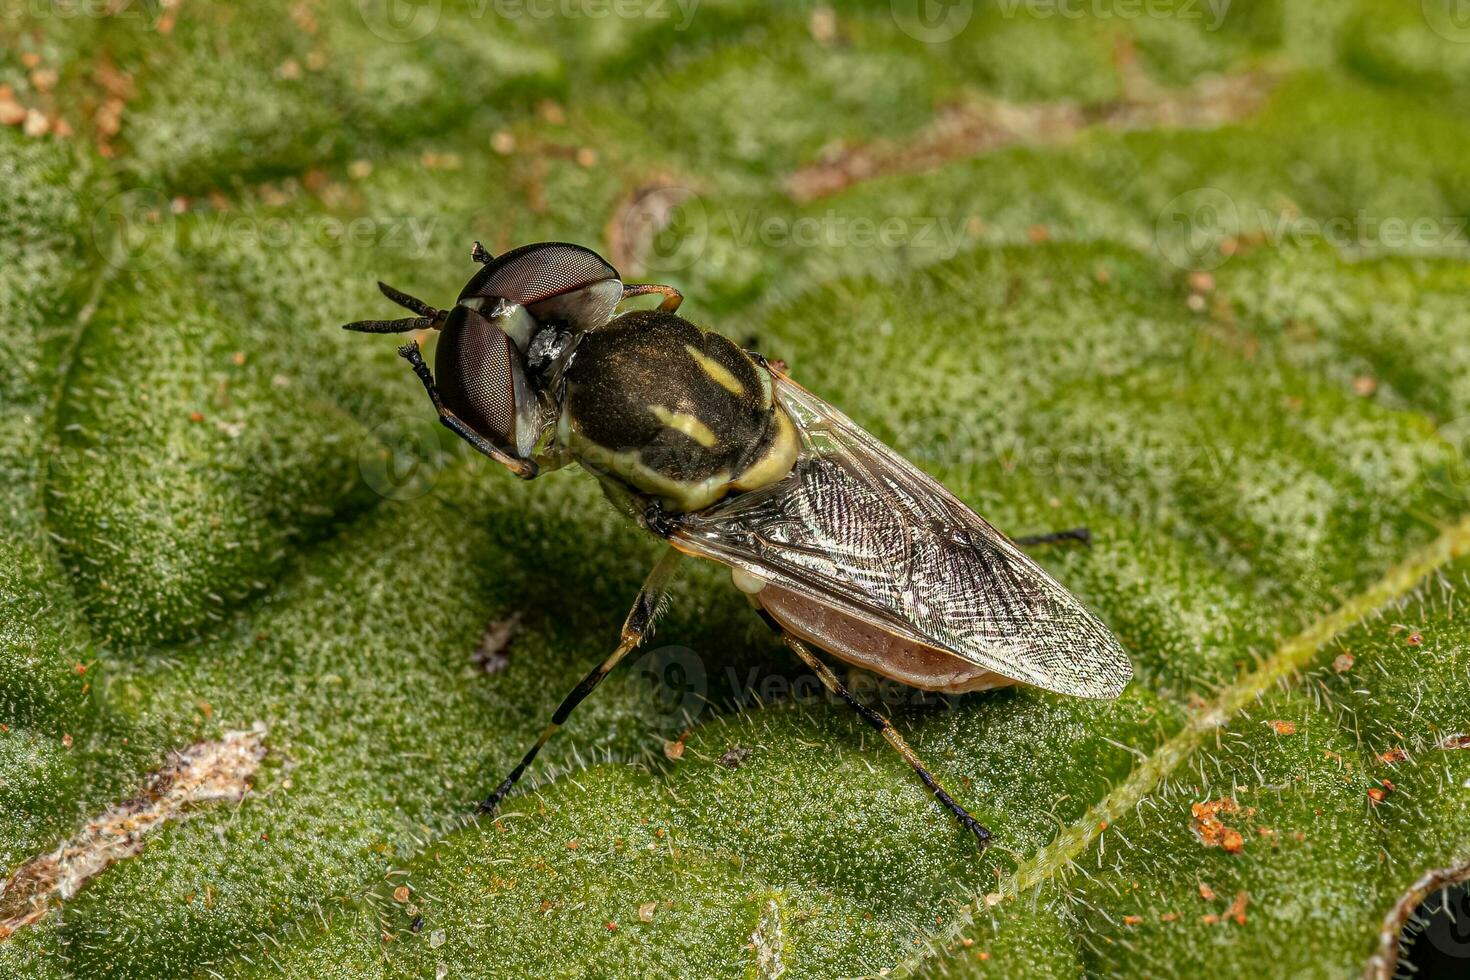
pixel 1283 727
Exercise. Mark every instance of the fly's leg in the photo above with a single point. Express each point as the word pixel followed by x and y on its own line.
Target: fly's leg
pixel 890 734
pixel 636 629
pixel 770 363
pixel 523 468
pixel 1080 534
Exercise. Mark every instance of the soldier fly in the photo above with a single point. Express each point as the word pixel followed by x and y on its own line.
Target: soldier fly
pixel 839 543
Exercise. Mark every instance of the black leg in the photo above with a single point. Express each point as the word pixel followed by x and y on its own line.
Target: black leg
pixel 890 734
pixel 481 254
pixel 636 629
pixel 672 297
pixel 774 365
pixel 1081 534
pixel 524 468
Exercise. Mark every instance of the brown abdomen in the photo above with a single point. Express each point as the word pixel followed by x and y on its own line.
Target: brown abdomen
pixel 873 648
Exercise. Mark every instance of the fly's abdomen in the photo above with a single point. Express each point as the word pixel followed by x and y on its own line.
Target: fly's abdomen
pixel 659 405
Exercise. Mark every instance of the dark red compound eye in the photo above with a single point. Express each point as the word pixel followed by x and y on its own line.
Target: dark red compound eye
pixel 554 281
pixel 481 376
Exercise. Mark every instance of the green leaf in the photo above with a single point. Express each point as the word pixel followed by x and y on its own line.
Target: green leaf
pixel 1200 288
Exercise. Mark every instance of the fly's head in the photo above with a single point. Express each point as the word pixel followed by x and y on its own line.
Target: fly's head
pixel 509 335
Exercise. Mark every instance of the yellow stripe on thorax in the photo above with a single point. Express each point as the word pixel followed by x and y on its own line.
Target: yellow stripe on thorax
pixel 687 424
pixel 718 372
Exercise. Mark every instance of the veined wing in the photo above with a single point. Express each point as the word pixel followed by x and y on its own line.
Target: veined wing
pixel 860 528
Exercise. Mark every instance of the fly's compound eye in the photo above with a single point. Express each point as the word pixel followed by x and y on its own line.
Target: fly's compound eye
pixel 556 283
pixel 482 378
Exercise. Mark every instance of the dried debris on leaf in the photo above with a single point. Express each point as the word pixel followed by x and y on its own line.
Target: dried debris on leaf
pixel 492 654
pixel 1236 912
pixel 985 125
pixel 735 757
pixel 768 943
pixel 208 772
pixel 674 751
pixel 1211 830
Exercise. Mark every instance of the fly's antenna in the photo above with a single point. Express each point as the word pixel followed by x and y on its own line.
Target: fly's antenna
pixel 428 317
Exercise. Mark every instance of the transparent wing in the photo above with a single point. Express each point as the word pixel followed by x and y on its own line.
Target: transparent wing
pixel 860 528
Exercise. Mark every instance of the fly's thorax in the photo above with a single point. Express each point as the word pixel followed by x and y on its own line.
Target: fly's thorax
pixel 673 412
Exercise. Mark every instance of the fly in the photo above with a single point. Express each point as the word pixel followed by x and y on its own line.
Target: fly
pixel 839 543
